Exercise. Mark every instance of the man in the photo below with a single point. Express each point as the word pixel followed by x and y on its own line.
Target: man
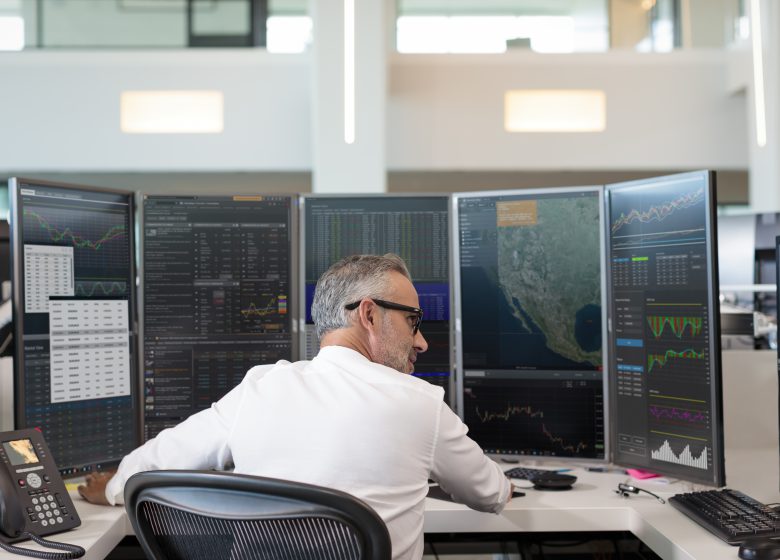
pixel 346 420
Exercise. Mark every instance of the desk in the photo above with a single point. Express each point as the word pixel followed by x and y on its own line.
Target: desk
pixel 751 434
pixel 590 506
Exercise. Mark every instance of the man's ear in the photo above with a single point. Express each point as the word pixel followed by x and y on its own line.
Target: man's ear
pixel 367 315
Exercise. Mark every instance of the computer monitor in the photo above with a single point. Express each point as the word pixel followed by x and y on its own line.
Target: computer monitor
pixel 5 253
pixel 75 368
pixel 777 283
pixel 218 274
pixel 767 227
pixel 664 317
pixel 414 227
pixel 530 334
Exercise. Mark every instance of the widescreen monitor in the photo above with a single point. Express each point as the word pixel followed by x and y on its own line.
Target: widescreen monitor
pixel 75 367
pixel 664 315
pixel 530 322
pixel 217 298
pixel 415 228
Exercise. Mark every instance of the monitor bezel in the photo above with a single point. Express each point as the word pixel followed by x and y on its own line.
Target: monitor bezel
pixel 716 387
pixel 302 264
pixel 294 272
pixel 15 185
pixel 458 331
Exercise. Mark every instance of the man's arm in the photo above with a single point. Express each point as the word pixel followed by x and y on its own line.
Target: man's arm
pixel 200 442
pixel 462 469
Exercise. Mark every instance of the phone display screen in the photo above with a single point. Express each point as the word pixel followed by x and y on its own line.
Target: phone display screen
pixel 20 452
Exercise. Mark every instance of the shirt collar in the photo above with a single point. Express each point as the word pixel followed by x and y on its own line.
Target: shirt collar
pixel 344 358
pixel 336 353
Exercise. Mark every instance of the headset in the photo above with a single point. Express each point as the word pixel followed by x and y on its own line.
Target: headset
pixel 626 490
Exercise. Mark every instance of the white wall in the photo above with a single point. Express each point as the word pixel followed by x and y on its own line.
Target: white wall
pixel 59 112
pixel 664 111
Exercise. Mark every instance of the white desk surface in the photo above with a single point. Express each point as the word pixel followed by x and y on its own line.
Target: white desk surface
pixel 591 506
pixel 752 458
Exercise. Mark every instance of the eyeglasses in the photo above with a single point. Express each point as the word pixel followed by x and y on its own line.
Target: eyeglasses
pixel 397 306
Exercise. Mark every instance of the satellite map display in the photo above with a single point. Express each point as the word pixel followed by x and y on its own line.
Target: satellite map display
pixel 538 304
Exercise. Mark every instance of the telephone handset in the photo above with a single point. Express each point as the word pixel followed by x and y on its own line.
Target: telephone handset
pixel 33 499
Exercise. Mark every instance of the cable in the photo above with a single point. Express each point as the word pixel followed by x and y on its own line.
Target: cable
pixel 616 545
pixel 433 550
pixel 71 550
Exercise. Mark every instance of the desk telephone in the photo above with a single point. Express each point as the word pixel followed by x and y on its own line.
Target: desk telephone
pixel 33 499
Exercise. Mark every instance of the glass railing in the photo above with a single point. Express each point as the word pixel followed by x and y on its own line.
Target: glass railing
pixel 279 26
pixel 497 26
pixel 422 26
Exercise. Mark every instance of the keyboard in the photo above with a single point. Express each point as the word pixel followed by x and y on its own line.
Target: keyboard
pixel 730 515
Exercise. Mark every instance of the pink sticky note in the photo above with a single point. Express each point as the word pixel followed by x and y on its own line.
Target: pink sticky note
pixel 640 474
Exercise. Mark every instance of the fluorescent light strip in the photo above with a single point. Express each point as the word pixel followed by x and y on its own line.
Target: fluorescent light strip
pixel 555 111
pixel 349 71
pixel 172 112
pixel 758 72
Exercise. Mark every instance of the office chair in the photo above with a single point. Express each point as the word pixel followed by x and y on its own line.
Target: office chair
pixel 213 515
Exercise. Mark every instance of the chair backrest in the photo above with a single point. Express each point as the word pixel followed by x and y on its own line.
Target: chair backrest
pixel 212 515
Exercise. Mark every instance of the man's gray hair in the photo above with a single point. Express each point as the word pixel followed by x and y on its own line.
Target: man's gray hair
pixel 351 279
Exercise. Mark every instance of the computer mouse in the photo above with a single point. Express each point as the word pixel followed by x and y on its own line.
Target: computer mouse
pixel 552 481
pixel 759 549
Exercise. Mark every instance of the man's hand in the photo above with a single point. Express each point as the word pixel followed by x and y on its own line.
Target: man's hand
pixel 95 489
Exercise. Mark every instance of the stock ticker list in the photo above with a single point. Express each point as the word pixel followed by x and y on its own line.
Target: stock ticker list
pixel 415 228
pixel 661 314
pixel 216 293
pixel 77 323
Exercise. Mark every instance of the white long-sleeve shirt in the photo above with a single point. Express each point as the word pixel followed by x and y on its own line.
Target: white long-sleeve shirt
pixel 339 421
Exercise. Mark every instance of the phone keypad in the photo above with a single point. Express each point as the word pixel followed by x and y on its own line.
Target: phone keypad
pixel 50 517
pixel 48 508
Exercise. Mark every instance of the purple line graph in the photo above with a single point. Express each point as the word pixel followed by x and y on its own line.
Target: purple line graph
pixel 680 415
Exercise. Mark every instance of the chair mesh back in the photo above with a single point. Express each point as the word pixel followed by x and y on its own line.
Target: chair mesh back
pixel 184 535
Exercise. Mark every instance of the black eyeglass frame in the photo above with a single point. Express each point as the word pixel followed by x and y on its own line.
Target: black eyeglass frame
pixel 392 305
